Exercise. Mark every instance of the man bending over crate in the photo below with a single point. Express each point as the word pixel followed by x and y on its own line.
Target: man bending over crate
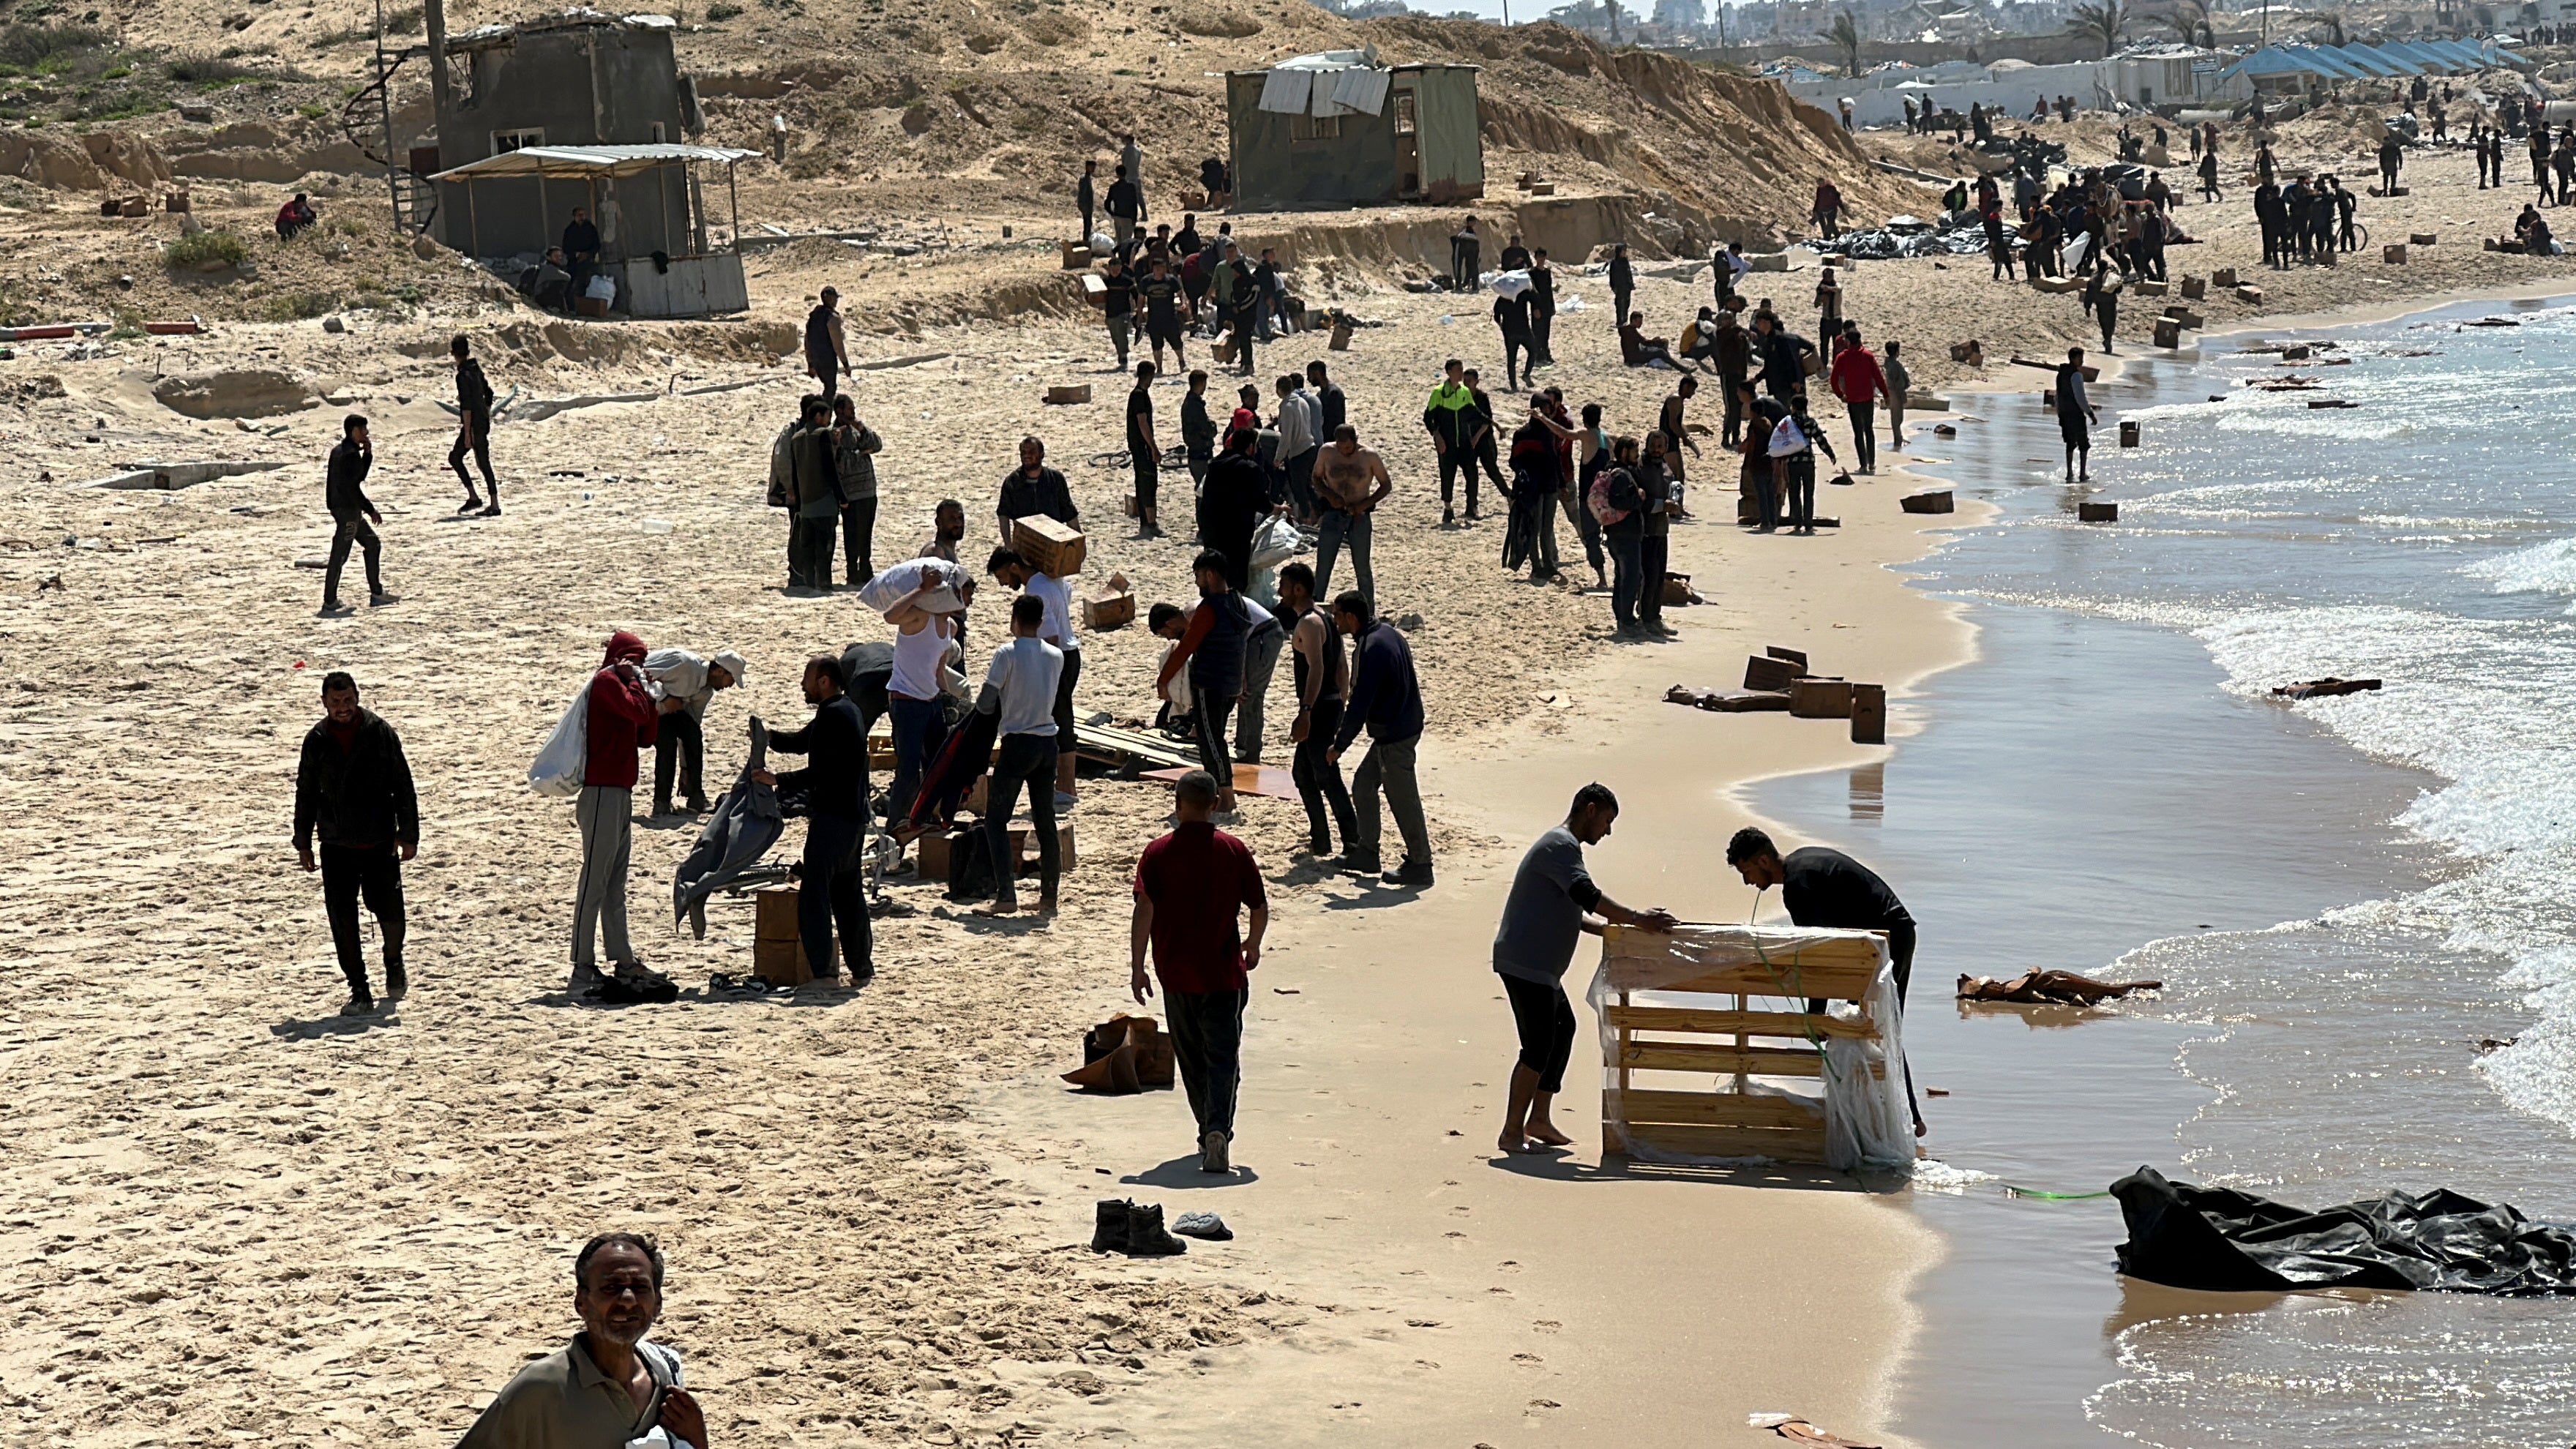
pixel 1826 888
pixel 1552 904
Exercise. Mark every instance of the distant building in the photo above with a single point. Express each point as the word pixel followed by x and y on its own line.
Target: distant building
pixel 1681 14
pixel 1337 129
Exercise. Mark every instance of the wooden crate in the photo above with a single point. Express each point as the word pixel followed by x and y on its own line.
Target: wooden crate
pixel 1066 394
pixel 1730 1039
pixel 1052 548
pixel 1931 500
pixel 1812 698
pixel 777 951
pixel 1869 714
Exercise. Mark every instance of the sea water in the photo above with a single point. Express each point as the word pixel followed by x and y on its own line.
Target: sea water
pixel 2351 901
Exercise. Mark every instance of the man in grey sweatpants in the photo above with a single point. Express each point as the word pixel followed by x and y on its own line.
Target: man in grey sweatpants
pixel 621 721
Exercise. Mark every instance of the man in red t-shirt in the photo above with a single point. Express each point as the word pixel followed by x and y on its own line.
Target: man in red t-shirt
pixel 1190 885
pixel 1860 383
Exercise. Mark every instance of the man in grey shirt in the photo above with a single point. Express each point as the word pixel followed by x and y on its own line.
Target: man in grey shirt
pixel 1552 904
pixel 611 1386
pixel 1020 689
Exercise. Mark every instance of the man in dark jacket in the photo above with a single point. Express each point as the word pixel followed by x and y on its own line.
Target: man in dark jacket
pixel 1827 889
pixel 1126 206
pixel 353 789
pixel 1733 355
pixel 1623 284
pixel 813 460
pixel 1237 497
pixel 344 493
pixel 833 886
pixel 1386 698
pixel 827 351
pixel 1034 489
pixel 1784 357
pixel 474 428
pixel 620 721
pixel 1542 310
pixel 1086 198
pixel 581 250
pixel 1465 251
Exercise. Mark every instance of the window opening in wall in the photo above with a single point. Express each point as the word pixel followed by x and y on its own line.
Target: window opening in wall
pixel 506 141
pixel 1314 128
pixel 1404 113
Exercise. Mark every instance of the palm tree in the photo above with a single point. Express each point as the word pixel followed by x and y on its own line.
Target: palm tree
pixel 1846 35
pixel 2104 21
pixel 2189 20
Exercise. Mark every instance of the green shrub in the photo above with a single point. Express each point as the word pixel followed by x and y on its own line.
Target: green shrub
pixel 723 10
pixel 300 306
pixel 207 246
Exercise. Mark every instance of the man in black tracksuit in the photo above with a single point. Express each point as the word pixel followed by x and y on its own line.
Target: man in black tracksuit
pixel 474 429
pixel 344 493
pixel 353 788
pixel 833 882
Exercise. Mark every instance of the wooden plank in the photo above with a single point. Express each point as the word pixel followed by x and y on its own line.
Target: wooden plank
pixel 1812 978
pixel 1636 942
pixel 1648 1056
pixel 1740 1024
pixel 1712 1109
pixel 1778 1145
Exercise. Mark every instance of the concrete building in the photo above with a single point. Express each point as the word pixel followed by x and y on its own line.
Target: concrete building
pixel 1338 129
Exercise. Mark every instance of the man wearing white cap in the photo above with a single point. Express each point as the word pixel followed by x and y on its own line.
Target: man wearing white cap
pixel 681 684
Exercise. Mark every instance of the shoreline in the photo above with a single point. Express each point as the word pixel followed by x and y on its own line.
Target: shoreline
pixel 1377 1041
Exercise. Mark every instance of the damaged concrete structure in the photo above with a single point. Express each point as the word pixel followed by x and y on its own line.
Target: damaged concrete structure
pixel 580 109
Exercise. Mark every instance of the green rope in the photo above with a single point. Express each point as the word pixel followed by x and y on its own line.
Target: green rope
pixel 2012 1191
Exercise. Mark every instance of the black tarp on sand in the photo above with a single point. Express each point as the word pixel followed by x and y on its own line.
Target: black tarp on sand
pixel 2218 1240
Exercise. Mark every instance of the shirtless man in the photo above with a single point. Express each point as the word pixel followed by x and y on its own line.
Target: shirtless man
pixel 1350 481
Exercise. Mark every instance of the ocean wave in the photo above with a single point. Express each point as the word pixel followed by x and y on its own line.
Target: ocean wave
pixel 2543 568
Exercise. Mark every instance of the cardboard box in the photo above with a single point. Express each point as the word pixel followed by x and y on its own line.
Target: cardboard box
pixel 1924 402
pixel 2194 288
pixel 1341 338
pixel 1114 606
pixel 1024 847
pixel 934 853
pixel 1770 675
pixel 2222 278
pixel 1077 255
pixel 1796 657
pixel 2423 238
pixel 781 962
pixel 2097 512
pixel 2168 332
pixel 1052 548
pixel 2252 294
pixel 590 306
pixel 2128 434
pixel 2393 254
pixel 774 913
pixel 1064 393
pixel 1095 290
pixel 1933 500
pixel 1869 714
pixel 1813 698
pixel 2152 288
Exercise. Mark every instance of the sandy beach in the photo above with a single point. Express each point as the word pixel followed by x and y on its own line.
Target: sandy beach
pixel 234 1217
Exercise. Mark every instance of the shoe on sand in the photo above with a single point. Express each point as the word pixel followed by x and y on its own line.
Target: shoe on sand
pixel 360 1004
pixel 1109 1225
pixel 397 982
pixel 1410 873
pixel 378 601
pixel 494 510
pixel 1215 1154
pixel 584 980
pixel 1145 1235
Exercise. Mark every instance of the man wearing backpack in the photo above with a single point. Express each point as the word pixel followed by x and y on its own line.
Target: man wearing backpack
pixel 827 356
pixel 1615 503
pixel 473 429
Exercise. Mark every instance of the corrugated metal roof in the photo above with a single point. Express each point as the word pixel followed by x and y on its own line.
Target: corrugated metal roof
pixel 587 161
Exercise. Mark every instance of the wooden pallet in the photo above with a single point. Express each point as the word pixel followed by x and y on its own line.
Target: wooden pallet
pixel 1731 1041
pixel 1118 747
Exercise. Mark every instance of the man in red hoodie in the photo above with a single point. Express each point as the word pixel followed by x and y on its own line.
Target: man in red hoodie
pixel 1857 380
pixel 620 723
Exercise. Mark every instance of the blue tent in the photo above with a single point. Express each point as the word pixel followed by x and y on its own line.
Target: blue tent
pixel 2371 61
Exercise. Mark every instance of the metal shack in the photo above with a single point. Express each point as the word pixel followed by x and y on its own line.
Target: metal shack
pixel 599 105
pixel 1338 129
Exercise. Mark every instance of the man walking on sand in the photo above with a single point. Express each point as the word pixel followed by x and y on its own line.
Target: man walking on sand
pixel 1828 889
pixel 1191 886
pixel 2075 415
pixel 1465 253
pixel 832 883
pixel 473 429
pixel 353 788
pixel 1144 452
pixel 610 1387
pixel 1552 905
pixel 344 493
pixel 827 352
pixel 1386 700
pixel 1323 678
pixel 620 723
pixel 1086 197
